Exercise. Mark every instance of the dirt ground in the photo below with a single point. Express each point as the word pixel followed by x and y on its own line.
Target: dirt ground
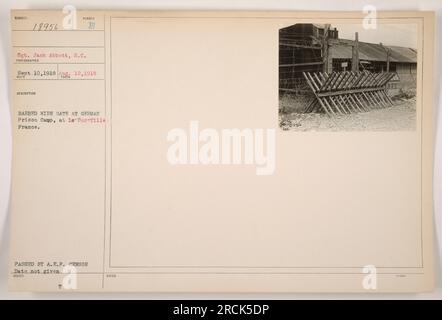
pixel 400 117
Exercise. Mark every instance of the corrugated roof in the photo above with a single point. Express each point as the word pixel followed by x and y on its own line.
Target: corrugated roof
pixel 372 52
pixel 404 54
pixel 318 25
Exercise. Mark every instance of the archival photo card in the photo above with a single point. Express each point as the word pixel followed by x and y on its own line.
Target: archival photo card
pixel 149 153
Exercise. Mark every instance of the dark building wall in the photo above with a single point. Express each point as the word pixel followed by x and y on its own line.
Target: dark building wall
pixel 407 75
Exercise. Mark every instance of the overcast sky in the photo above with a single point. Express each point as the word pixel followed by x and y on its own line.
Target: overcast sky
pixel 404 35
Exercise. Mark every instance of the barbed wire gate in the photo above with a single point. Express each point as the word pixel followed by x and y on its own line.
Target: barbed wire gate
pixel 346 92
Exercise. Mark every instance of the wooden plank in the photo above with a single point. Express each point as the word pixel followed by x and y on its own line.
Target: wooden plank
pixel 343 106
pixel 341 111
pixel 313 81
pixel 378 105
pixel 381 99
pixel 329 112
pixel 368 99
pixel 360 78
pixel 388 98
pixel 338 83
pixel 366 80
pixel 328 105
pixel 335 93
pixel 371 77
pixel 350 96
pixel 341 85
pixel 364 101
pixel 329 84
pixel 293 45
pixel 300 64
pixel 308 82
pixel 346 102
pixel 387 79
pixel 324 107
pixel 311 105
pixel 320 84
pixel 382 79
pixel 290 90
pixel 351 80
pixel 328 77
pixel 360 103
pixel 375 99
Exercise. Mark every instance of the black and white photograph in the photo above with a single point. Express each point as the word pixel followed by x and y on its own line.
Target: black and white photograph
pixel 347 77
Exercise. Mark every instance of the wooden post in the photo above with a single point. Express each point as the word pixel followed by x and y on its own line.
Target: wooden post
pixel 388 52
pixel 355 55
pixel 325 51
pixel 388 61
